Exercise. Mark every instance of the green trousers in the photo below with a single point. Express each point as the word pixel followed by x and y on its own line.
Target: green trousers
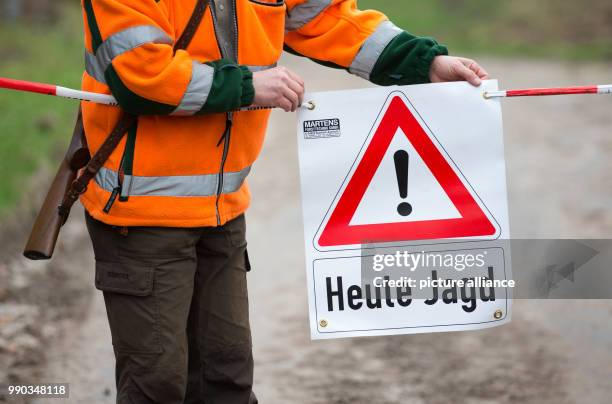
pixel 177 307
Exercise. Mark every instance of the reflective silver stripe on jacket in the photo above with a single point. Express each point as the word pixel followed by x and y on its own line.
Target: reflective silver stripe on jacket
pixel 372 48
pixel 202 76
pixel 179 186
pixel 302 14
pixel 197 91
pixel 93 69
pixel 119 43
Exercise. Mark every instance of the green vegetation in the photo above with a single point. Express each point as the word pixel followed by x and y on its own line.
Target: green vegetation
pixel 35 127
pixel 545 28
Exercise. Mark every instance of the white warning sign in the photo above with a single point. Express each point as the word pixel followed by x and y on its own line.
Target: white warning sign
pixel 405 210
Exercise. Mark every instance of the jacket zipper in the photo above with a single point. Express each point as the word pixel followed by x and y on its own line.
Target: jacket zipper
pixel 235 31
pixel 230 116
pixel 125 168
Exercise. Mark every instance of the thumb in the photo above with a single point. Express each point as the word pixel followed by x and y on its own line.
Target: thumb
pixel 468 75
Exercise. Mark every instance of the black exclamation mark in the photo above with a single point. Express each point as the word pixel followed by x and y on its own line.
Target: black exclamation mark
pixel 402 160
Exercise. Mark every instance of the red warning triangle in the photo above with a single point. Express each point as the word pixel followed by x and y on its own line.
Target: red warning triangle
pixel 472 223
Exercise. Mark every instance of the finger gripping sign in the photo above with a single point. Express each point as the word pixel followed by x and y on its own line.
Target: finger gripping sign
pixel 405 210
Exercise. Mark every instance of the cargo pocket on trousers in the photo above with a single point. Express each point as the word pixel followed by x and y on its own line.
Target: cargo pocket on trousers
pixel 131 306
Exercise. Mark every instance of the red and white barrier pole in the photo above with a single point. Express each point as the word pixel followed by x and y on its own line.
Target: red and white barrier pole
pixel 106 99
pixel 540 92
pixel 57 91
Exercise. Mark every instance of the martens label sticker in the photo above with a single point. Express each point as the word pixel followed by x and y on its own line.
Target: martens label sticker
pixel 322 128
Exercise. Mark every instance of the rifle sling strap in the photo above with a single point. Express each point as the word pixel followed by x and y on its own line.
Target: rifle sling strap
pixel 192 26
pixel 126 120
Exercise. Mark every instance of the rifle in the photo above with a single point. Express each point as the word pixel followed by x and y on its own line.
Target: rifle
pixel 45 231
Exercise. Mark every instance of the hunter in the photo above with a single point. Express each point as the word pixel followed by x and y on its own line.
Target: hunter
pixel 166 212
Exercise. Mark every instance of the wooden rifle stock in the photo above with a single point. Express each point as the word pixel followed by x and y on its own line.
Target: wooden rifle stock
pixel 45 231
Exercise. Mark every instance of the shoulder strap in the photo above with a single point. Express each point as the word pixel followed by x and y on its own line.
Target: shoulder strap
pixel 192 26
pixel 79 186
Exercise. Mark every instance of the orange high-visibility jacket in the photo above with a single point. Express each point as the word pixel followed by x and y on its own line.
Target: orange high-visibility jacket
pixel 185 162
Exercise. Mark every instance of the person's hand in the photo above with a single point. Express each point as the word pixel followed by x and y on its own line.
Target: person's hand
pixel 278 87
pixel 450 68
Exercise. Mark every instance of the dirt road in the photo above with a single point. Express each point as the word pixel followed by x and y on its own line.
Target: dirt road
pixel 553 352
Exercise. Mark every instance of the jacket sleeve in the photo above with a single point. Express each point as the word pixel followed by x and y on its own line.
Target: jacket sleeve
pixel 129 47
pixel 336 33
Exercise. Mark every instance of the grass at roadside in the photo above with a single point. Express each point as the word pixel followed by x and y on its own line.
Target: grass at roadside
pixel 518 28
pixel 33 127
